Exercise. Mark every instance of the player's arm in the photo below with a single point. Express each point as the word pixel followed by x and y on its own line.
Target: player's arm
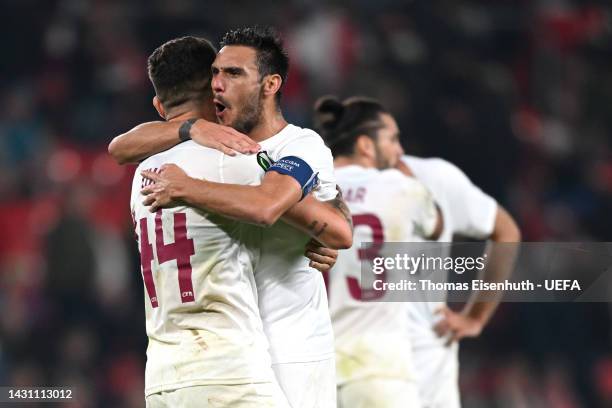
pixel 501 255
pixel 328 222
pixel 321 257
pixel 150 138
pixel 261 205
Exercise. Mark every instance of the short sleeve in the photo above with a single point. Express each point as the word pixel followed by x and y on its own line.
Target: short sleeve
pixel 472 210
pixel 136 187
pixel 311 148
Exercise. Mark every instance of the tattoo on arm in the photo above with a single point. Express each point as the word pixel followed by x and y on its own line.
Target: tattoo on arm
pixel 340 204
pixel 313 226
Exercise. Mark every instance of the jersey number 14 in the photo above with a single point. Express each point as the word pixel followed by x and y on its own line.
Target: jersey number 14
pixel 179 251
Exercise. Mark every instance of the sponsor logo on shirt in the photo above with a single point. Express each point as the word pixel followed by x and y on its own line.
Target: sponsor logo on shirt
pixel 264 160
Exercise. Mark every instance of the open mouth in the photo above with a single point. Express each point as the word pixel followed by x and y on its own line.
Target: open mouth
pixel 219 107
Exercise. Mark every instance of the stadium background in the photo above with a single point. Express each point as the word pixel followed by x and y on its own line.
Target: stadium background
pixel 516 93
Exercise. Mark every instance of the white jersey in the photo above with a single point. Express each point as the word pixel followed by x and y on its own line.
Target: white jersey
pixel 466 211
pixel 202 317
pixel 292 298
pixel 371 336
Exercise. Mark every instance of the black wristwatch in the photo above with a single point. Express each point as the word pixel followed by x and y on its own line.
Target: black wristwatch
pixel 185 129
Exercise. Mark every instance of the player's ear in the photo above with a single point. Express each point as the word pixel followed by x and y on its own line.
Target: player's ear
pixel 364 146
pixel 159 107
pixel 272 84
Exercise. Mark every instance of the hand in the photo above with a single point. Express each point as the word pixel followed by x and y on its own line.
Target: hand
pixel 222 138
pixel 457 325
pixel 169 183
pixel 321 258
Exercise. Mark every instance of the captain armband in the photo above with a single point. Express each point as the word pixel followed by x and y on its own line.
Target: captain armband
pixel 298 169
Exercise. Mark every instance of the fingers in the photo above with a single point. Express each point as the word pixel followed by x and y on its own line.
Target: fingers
pixel 446 324
pixel 239 141
pixel 315 257
pixel 169 170
pixel 319 266
pixel 244 142
pixel 442 328
pixel 149 200
pixel 224 149
pixel 332 253
pixel 451 326
pixel 151 203
pixel 151 175
pixel 222 138
pixel 315 246
pixel 148 190
pixel 314 243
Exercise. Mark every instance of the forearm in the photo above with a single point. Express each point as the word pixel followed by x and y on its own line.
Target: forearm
pixel 251 204
pixel 143 141
pixel 502 251
pixel 324 222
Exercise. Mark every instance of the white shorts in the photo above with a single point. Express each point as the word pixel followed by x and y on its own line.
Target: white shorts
pixel 437 374
pixel 266 395
pixel 379 393
pixel 308 385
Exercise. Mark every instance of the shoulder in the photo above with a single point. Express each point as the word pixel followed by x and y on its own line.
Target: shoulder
pixel 295 131
pixel 307 145
pixel 303 136
pixel 436 164
pixel 436 170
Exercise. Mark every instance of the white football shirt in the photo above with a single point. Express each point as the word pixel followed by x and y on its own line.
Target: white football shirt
pixel 292 298
pixel 202 317
pixel 371 334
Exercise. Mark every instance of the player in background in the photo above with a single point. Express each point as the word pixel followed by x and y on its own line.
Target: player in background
pixel 435 329
pixel 206 340
pixel 248 74
pixel 372 351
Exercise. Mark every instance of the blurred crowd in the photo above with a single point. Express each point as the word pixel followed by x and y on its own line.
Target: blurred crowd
pixel 517 93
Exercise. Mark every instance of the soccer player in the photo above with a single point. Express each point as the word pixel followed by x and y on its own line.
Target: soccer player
pixel 372 340
pixel 435 329
pixel 248 74
pixel 206 346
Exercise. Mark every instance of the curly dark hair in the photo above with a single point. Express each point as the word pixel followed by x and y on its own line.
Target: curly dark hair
pixel 271 56
pixel 180 70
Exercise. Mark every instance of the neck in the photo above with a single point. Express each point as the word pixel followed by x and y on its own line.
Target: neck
pixel 190 110
pixel 272 122
pixel 362 161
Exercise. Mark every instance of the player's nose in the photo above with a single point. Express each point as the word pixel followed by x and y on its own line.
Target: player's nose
pixel 217 84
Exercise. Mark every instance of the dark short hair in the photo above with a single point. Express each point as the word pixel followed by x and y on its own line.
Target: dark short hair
pixel 271 56
pixel 340 123
pixel 180 70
